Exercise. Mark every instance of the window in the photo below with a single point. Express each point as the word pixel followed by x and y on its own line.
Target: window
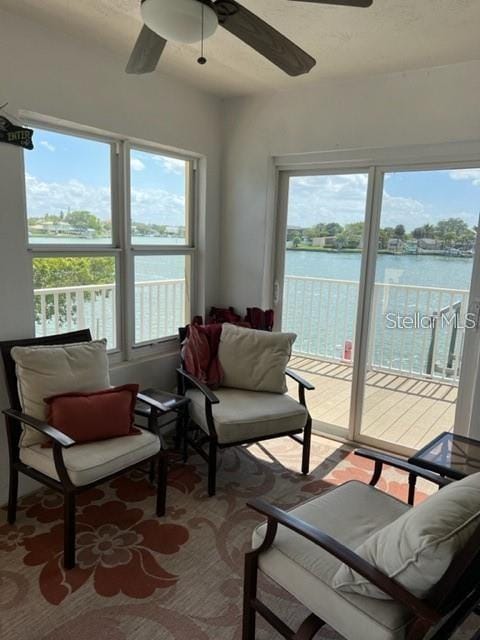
pixel 68 185
pixel 130 287
pixel 160 234
pixel 158 187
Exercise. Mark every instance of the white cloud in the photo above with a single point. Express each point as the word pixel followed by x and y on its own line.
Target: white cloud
pixel 148 205
pixel 158 206
pixel 341 198
pixel 171 165
pixel 316 199
pixel 136 164
pixel 407 211
pixel 47 145
pixel 473 175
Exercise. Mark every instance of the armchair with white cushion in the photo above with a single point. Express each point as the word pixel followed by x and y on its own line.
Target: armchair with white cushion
pixel 251 403
pixel 65 363
pixel 369 565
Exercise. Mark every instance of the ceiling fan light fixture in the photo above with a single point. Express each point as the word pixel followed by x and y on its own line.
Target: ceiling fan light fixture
pixel 179 20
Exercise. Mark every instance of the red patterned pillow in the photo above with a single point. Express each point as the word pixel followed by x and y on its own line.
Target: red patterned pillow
pixel 99 415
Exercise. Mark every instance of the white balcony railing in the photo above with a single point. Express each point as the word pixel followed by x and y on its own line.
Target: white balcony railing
pixel 323 312
pixel 320 311
pixel 159 310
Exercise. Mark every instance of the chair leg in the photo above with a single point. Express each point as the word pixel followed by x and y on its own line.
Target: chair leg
pixel 12 496
pixel 307 441
pixel 185 425
pixel 249 594
pixel 412 482
pixel 309 628
pixel 212 467
pixel 69 530
pixel 162 476
pixel 179 430
pixel 418 630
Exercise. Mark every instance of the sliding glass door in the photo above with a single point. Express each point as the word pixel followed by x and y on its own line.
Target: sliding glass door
pixel 373 274
pixel 419 312
pixel 322 257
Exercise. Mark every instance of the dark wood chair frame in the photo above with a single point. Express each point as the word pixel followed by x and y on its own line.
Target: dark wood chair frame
pixel 187 381
pixel 452 600
pixel 14 418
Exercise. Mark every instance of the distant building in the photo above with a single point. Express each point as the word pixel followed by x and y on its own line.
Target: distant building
pixel 325 242
pixel 396 245
pixel 50 226
pixel 411 246
pixel 426 245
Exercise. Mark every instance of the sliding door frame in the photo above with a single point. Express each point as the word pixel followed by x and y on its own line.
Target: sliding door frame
pixel 377 163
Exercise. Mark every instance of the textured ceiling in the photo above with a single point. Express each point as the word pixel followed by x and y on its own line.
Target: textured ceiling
pixel 392 35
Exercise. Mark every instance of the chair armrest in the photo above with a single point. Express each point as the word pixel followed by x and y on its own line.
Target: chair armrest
pixel 42 427
pixel 399 463
pixel 207 392
pixel 392 588
pixel 301 381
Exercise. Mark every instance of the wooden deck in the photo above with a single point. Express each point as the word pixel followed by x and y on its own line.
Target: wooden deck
pixel 397 408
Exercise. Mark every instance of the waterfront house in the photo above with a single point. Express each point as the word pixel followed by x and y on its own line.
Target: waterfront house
pixel 264 215
pixel 396 245
pixel 325 242
pixel 430 245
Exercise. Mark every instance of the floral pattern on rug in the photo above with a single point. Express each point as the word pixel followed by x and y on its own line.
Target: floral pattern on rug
pixel 115 546
pixel 48 505
pixel 174 578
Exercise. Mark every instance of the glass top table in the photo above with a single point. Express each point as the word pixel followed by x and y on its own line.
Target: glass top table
pixel 450 455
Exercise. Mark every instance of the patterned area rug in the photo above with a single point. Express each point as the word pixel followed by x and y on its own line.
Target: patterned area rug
pixel 176 578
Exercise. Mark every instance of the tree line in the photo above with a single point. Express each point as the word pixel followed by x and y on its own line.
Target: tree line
pixel 451 232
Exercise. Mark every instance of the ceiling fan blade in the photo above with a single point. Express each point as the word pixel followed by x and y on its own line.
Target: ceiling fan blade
pixel 259 35
pixel 345 3
pixel 146 52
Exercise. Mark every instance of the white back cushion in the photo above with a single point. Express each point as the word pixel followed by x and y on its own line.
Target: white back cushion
pixel 254 360
pixel 44 371
pixel 417 548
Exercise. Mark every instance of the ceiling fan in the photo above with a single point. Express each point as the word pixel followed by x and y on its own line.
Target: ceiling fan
pixel 190 21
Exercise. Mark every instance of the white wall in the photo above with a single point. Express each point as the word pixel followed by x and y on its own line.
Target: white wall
pixel 419 107
pixel 47 73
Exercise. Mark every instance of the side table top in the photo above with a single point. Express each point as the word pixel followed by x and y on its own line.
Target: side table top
pixel 166 402
pixel 451 455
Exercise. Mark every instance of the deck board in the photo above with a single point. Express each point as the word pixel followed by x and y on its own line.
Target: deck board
pixel 397 408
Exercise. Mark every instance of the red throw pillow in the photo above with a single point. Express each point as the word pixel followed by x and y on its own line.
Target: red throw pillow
pixel 200 353
pixel 99 415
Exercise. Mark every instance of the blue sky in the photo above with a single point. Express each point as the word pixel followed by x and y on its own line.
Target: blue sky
pixel 410 198
pixel 65 172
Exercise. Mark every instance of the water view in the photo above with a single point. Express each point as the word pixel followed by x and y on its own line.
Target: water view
pixel 424 261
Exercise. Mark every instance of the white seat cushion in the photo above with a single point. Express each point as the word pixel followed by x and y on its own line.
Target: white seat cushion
pixel 349 513
pixel 241 415
pixel 417 549
pixel 93 461
pixel 44 371
pixel 254 360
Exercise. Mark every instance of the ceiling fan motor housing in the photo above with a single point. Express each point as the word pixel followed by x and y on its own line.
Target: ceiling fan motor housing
pixel 180 20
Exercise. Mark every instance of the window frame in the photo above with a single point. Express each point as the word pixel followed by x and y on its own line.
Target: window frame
pixel 120 246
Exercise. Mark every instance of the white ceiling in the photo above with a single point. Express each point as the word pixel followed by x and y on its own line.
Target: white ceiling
pixel 392 35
